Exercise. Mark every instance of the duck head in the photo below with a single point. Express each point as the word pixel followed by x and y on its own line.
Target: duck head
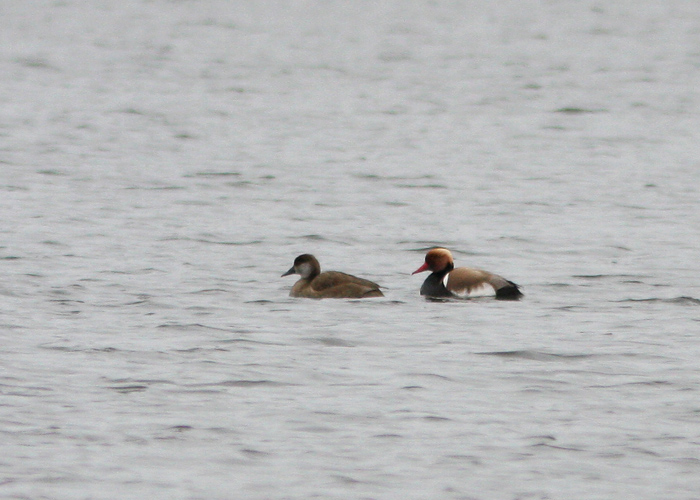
pixel 437 260
pixel 306 266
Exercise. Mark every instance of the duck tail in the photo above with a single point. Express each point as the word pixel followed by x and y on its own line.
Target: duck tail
pixel 511 291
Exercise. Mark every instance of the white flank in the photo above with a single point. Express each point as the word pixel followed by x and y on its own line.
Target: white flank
pixel 482 290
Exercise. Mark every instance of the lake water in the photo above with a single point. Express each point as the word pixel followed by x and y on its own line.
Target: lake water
pixel 163 162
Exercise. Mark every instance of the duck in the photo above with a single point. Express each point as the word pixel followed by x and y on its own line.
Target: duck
pixel 446 281
pixel 330 284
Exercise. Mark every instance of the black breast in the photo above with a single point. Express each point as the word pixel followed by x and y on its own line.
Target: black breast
pixel 433 286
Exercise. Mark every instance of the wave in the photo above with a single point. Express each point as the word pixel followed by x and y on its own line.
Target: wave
pixel 211 241
pixel 535 355
pixel 683 300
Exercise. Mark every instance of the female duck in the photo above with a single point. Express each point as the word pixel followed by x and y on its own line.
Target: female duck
pixel 463 282
pixel 328 285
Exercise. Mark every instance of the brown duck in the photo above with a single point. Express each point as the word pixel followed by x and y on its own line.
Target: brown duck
pixel 330 284
pixel 462 282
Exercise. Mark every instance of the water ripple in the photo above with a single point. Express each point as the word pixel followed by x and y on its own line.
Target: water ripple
pixel 682 300
pixel 536 355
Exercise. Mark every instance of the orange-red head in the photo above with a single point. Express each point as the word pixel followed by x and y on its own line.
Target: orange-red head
pixel 436 260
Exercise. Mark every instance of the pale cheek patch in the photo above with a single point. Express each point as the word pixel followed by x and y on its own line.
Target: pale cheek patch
pixel 305 269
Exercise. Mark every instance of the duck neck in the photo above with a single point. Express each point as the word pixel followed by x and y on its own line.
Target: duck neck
pixel 434 285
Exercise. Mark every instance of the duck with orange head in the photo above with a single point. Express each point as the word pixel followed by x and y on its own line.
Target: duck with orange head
pixel 446 281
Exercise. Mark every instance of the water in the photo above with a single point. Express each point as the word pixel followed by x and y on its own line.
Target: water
pixel 162 163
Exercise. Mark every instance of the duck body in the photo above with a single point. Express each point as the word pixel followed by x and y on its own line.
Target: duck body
pixel 446 281
pixel 330 284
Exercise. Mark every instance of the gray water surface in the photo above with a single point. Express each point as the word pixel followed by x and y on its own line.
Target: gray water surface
pixel 162 163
